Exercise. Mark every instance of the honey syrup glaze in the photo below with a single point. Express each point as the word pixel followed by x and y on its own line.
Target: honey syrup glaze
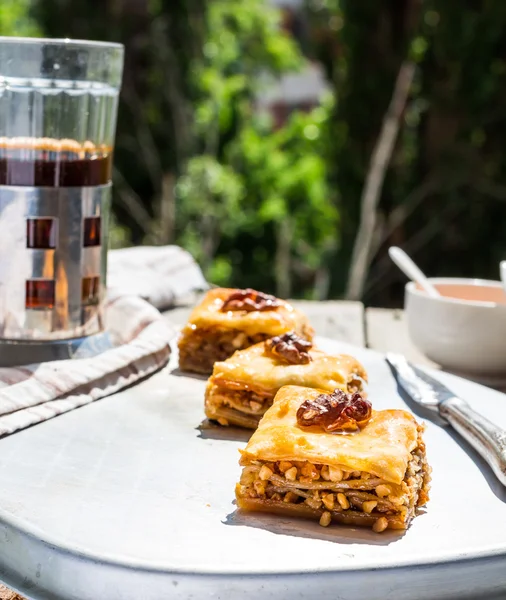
pixel 46 162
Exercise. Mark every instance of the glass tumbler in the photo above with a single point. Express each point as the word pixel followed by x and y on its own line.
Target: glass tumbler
pixel 58 108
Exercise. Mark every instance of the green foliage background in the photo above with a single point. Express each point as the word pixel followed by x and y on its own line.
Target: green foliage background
pixel 277 208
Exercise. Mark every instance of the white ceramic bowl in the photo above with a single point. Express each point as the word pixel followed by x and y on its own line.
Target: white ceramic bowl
pixel 469 335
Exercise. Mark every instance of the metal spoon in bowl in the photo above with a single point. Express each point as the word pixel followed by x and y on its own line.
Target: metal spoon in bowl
pixel 408 267
pixel 503 274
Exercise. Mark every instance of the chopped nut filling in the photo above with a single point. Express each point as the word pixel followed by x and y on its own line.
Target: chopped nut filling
pixel 332 491
pixel 380 525
pixel 369 505
pixel 325 519
pixel 243 400
pixel 200 349
pixel 356 383
pixel 383 490
pixel 239 407
pixel 343 501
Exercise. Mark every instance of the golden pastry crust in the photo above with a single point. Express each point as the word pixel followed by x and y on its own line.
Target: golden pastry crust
pixel 213 335
pixel 377 477
pixel 382 448
pixel 255 370
pixel 242 388
pixel 273 322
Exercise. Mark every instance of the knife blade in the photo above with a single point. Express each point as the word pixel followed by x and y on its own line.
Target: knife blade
pixel 485 437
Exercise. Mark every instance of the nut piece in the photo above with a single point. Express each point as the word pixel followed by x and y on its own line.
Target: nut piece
pixel 337 411
pixel 289 348
pixel 265 473
pixel 343 501
pixel 313 503
pixel 259 487
pixel 380 525
pixel 290 497
pixel 247 477
pixel 291 474
pixel 383 490
pixel 284 465
pixel 335 474
pixel 328 500
pixel 369 505
pixel 250 300
pixel 325 519
pixel 355 383
pixel 397 500
pixel 310 471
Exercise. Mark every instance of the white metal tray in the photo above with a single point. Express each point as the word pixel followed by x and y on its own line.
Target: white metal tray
pixel 132 498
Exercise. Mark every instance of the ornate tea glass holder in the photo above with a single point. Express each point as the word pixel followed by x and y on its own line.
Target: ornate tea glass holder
pixel 58 108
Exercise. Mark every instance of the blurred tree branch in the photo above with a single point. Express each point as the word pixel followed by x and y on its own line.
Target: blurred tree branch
pixel 380 161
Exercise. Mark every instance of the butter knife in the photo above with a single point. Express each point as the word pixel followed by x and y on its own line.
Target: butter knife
pixel 485 437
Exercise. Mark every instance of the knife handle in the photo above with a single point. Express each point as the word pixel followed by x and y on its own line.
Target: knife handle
pixel 485 437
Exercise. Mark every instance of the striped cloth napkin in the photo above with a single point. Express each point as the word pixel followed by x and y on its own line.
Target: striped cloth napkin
pixel 139 279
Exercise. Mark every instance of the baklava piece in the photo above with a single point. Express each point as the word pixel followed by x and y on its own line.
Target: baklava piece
pixel 228 320
pixel 331 458
pixel 243 387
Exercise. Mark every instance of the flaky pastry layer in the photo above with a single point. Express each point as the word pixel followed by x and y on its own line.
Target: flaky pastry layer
pixel 382 448
pixel 376 477
pixel 244 385
pixel 330 494
pixel 254 369
pixel 212 335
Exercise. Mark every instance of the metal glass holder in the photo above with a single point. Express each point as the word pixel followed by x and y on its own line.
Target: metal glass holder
pixel 53 263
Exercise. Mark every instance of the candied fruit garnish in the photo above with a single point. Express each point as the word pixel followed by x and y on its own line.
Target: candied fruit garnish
pixel 250 300
pixel 337 411
pixel 289 348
